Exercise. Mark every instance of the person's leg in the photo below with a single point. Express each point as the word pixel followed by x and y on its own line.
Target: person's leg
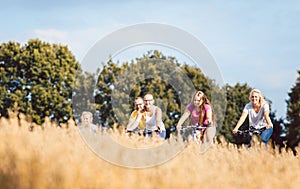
pixel 266 134
pixel 147 133
pixel 150 134
pixel 162 134
pixel 208 138
pixel 197 136
pixel 209 135
pixel 249 144
pixel 185 134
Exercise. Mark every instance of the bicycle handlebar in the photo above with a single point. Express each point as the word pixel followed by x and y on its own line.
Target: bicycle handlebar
pixel 251 131
pixel 193 127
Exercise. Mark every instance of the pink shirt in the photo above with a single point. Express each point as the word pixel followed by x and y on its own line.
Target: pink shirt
pixel 195 115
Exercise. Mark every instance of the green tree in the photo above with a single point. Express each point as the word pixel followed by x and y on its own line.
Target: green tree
pixel 237 98
pixel 279 132
pixel 293 115
pixel 12 76
pixel 104 86
pixel 171 84
pixel 83 93
pixel 39 77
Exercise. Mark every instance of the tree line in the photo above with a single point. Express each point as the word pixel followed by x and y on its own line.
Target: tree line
pixel 45 80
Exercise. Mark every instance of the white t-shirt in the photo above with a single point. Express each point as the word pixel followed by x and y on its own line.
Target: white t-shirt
pixel 151 123
pixel 257 120
pixel 92 128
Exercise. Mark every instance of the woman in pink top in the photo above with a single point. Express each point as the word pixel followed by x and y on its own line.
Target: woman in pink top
pixel 200 113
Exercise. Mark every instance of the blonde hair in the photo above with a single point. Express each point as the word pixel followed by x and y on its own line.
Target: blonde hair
pixel 149 95
pixel 88 114
pixel 260 95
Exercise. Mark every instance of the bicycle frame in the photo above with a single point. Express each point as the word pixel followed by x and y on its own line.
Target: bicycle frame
pixel 197 132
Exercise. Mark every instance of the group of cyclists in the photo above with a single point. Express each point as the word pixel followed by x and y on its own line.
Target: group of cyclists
pixel 199 112
pixel 146 119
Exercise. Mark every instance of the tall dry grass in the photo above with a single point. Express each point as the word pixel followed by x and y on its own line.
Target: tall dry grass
pixel 54 157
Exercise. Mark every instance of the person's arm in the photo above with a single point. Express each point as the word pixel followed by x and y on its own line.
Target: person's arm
pixel 208 116
pixel 134 122
pixel 158 113
pixel 182 119
pixel 240 122
pixel 95 128
pixel 267 118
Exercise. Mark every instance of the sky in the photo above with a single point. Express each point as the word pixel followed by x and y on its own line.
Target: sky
pixel 254 42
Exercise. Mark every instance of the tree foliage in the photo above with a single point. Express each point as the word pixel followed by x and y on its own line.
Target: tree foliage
pixel 237 98
pixel 293 114
pixel 83 93
pixel 45 80
pixel 39 77
pixel 171 84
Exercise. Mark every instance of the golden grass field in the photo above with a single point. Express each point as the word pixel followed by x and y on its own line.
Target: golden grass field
pixel 54 157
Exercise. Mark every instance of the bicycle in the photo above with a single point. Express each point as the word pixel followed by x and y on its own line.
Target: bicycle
pixel 248 133
pixel 198 135
pixel 135 132
pixel 252 130
pixel 196 131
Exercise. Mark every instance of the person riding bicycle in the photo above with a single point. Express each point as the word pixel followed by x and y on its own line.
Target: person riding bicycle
pixel 154 121
pixel 200 113
pixel 137 120
pixel 258 111
pixel 87 123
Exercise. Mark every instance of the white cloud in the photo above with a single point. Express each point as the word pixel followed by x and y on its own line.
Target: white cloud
pixel 78 41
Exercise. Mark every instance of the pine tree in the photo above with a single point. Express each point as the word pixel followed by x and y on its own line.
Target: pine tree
pixel 293 115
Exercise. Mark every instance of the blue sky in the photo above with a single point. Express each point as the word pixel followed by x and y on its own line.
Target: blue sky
pixel 254 42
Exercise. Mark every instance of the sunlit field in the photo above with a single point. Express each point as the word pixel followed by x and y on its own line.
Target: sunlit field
pixel 57 157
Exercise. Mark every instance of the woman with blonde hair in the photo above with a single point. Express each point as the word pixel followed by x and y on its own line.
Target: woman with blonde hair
pixel 258 111
pixel 200 113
